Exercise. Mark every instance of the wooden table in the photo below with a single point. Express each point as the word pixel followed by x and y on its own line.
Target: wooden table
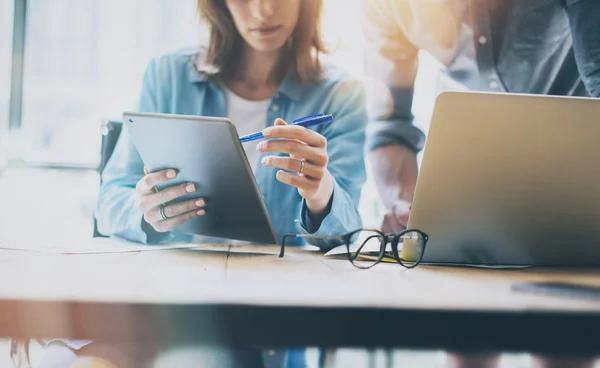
pixel 303 299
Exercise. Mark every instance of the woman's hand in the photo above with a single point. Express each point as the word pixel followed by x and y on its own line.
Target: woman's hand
pixel 149 200
pixel 308 157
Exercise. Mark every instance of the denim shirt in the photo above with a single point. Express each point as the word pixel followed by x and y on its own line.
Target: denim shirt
pixel 522 46
pixel 173 84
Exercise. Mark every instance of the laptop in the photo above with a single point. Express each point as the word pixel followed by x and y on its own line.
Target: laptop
pixel 511 180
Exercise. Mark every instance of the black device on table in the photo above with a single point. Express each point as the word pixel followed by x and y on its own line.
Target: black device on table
pixel 557 288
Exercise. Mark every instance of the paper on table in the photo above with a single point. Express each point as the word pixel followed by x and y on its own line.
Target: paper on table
pixel 267 249
pixel 112 245
pixel 366 252
pixel 341 252
pixel 91 246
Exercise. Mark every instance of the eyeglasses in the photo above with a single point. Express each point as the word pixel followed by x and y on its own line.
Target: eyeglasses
pixel 367 247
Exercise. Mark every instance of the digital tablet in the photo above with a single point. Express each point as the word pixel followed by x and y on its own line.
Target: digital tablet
pixel 205 151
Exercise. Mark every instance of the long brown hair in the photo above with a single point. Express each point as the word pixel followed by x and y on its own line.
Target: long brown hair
pixel 225 42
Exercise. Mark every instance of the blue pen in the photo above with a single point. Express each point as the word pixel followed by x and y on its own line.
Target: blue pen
pixel 306 122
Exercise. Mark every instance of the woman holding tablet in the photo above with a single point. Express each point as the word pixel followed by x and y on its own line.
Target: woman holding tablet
pixel 261 69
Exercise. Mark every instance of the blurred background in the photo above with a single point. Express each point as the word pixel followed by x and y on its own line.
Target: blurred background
pixel 80 62
pixel 69 66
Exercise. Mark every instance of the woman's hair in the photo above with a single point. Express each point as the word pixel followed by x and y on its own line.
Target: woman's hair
pixel 226 43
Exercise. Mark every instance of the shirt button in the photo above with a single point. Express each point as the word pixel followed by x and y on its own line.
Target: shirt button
pixel 271 352
pixel 275 108
pixel 493 84
pixel 482 40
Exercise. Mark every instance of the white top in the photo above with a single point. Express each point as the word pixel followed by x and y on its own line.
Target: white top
pixel 248 117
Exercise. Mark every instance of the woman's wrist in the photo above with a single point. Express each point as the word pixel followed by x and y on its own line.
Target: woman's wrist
pixel 319 203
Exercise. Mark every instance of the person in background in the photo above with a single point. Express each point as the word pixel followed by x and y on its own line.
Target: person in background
pixel 261 69
pixel 534 46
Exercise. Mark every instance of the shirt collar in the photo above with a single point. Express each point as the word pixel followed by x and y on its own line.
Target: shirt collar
pixel 291 88
pixel 198 72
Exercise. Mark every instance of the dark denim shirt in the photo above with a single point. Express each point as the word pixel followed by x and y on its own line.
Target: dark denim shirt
pixel 522 46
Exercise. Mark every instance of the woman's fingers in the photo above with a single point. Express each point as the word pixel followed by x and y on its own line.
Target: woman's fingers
pixel 280 122
pixel 305 185
pixel 295 132
pixel 147 184
pixel 317 156
pixel 149 201
pixel 174 210
pixel 171 223
pixel 295 164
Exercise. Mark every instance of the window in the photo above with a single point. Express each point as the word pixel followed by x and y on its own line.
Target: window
pixel 84 60
pixel 6 29
pixel 343 35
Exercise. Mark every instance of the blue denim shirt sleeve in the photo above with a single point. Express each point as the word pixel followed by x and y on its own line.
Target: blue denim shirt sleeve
pixel 117 211
pixel 391 61
pixel 584 18
pixel 345 143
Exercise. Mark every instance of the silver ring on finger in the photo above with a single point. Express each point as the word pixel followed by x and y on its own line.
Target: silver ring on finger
pixel 301 166
pixel 161 210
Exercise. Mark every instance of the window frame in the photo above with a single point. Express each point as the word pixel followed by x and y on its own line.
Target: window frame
pixel 15 107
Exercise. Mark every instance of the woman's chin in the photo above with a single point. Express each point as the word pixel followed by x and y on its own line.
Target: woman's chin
pixel 267 45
